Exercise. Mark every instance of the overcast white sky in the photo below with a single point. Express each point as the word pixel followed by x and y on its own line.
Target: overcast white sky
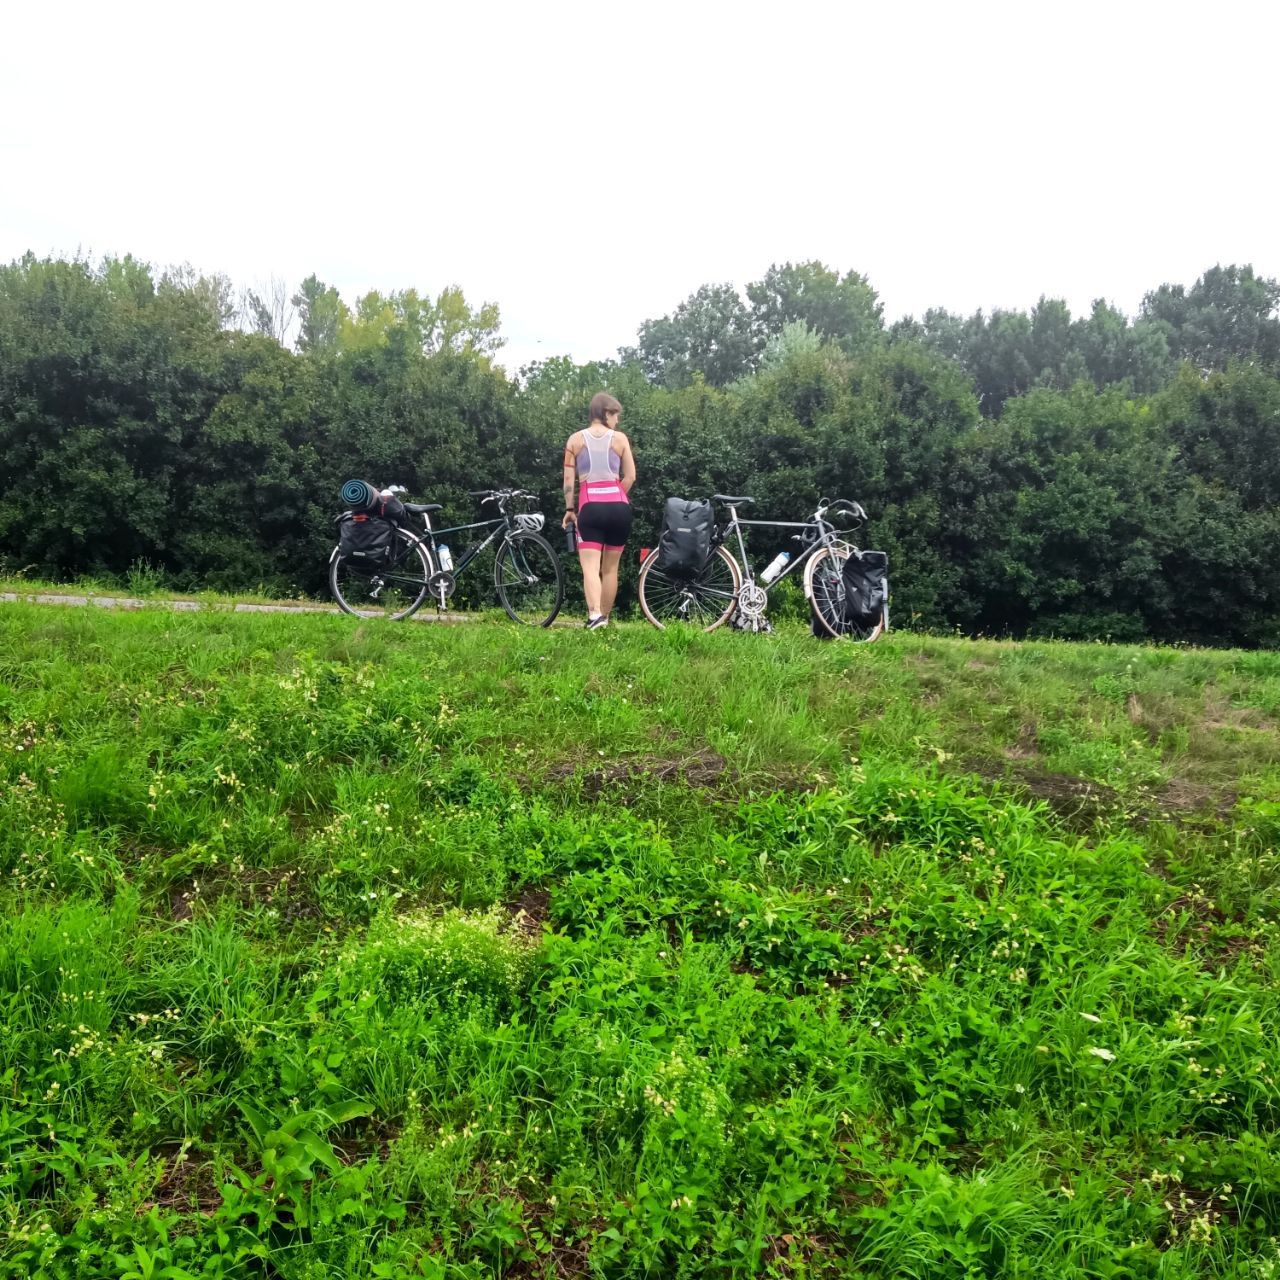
pixel 587 166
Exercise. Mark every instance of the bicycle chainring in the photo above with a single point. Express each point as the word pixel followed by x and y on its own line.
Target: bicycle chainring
pixel 441 586
pixel 752 601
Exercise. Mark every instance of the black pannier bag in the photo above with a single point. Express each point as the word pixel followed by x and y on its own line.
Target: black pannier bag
pixel 365 538
pixel 368 536
pixel 866 587
pixel 684 545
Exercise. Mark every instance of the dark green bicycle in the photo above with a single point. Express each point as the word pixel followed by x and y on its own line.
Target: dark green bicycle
pixel 420 565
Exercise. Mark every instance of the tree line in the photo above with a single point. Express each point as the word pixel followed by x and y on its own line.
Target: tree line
pixel 1029 473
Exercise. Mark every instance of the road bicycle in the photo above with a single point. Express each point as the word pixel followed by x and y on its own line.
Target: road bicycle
pixel 727 587
pixel 526 571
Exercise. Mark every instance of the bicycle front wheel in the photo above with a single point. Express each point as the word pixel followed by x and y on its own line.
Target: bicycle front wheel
pixel 706 600
pixel 529 580
pixel 387 591
pixel 824 585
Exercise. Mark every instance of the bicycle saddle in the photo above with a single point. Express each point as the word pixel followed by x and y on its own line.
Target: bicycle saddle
pixel 421 508
pixel 733 502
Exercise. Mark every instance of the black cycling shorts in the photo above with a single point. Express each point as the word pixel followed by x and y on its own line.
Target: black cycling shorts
pixel 603 526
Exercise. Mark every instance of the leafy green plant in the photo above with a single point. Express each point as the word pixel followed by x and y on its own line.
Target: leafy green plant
pixel 329 949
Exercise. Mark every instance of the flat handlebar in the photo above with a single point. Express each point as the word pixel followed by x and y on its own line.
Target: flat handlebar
pixel 499 495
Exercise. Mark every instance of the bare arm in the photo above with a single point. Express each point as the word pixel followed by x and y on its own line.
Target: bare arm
pixel 570 481
pixel 628 476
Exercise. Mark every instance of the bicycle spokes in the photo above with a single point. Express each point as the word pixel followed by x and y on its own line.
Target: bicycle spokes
pixel 391 591
pixel 704 600
pixel 529 579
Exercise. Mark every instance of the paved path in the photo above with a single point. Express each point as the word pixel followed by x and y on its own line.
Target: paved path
pixel 425 614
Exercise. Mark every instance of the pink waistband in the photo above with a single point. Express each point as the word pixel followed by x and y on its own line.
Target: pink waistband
pixel 601 491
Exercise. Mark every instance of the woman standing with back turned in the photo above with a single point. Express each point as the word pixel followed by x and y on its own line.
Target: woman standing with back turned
pixel 599 459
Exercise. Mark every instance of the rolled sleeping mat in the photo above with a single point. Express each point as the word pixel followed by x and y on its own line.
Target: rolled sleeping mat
pixel 358 495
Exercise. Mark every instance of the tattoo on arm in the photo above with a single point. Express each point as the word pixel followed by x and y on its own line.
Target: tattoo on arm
pixel 570 476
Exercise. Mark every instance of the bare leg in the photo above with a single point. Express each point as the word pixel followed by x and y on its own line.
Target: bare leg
pixel 590 562
pixel 609 578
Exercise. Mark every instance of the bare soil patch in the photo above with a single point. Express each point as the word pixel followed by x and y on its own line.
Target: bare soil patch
pixel 187 1184
pixel 1078 802
pixel 704 768
pixel 1182 796
pixel 1027 746
pixel 273 886
pixel 1220 714
pixel 529 911
pixel 1193 921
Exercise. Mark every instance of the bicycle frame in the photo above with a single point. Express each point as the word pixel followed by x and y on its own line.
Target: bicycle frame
pixel 527 575
pixel 504 528
pixel 470 553
pixel 825 538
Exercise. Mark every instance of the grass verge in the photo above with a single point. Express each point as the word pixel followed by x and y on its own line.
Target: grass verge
pixel 332 948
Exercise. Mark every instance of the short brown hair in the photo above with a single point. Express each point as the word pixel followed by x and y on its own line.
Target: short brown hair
pixel 601 403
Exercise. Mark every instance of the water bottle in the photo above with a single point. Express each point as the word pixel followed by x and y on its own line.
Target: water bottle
pixel 571 539
pixel 445 557
pixel 775 567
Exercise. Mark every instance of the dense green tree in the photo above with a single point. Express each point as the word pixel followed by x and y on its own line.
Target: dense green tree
pixel 783 423
pixel 999 355
pixel 842 309
pixel 253 503
pixel 1076 515
pixel 795 339
pixel 214 294
pixel 405 317
pixel 709 333
pixel 320 313
pixel 1226 427
pixel 1056 516
pixel 880 430
pixel 917 409
pixel 106 377
pixel 1115 351
pixel 1230 313
pixel 1010 352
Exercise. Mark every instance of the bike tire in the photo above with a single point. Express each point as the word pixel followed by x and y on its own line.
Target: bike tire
pixel 525 556
pixel 824 587
pixel 707 600
pixel 394 592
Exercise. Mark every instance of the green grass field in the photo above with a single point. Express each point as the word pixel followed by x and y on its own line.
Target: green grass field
pixel 333 949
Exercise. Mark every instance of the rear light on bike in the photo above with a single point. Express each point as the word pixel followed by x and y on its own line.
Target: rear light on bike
pixel 645 553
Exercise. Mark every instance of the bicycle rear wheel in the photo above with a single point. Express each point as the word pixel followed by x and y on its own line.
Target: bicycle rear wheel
pixel 705 601
pixel 529 580
pixel 388 591
pixel 824 585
